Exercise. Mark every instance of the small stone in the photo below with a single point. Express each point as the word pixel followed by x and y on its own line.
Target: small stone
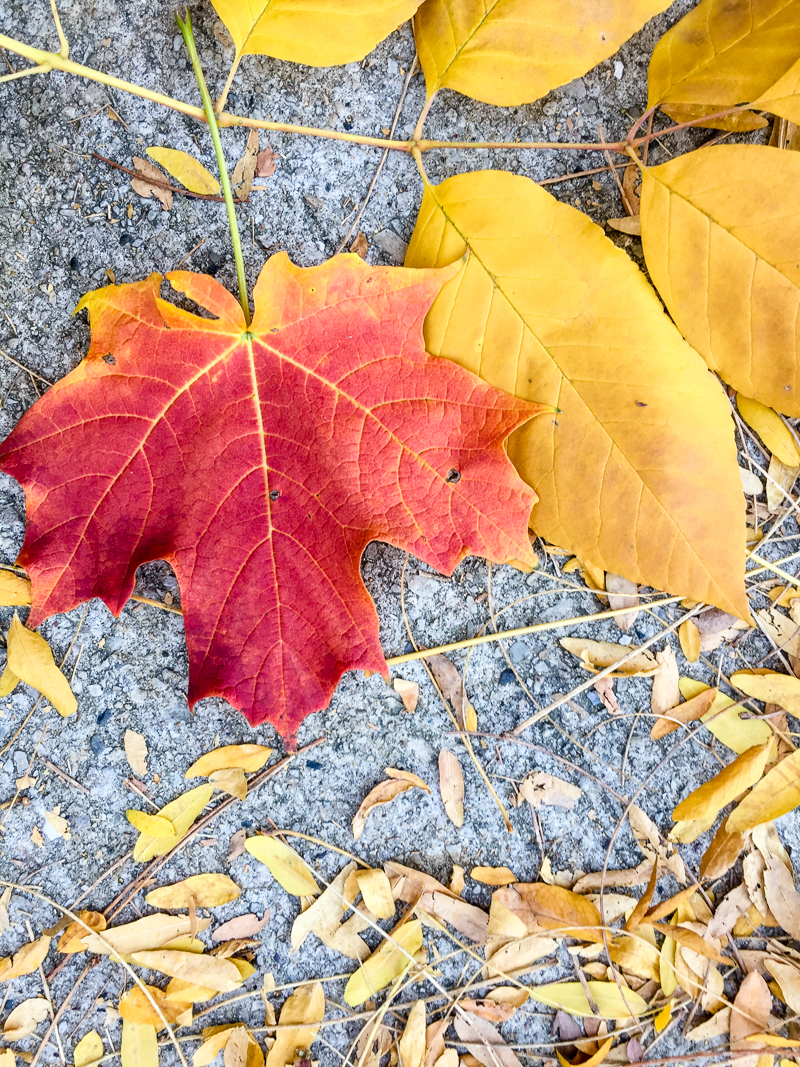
pixel 20 760
pixel 390 243
pixel 618 69
pixel 594 698
pixel 126 239
pixel 508 677
pixel 97 744
pixel 518 650
pixel 177 41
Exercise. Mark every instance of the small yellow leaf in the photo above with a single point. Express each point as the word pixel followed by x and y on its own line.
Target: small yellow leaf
pixel 231 781
pixel 26 961
pixel 8 682
pixel 139 1045
pixel 181 812
pixel 14 591
pixel 184 993
pixel 407 776
pixel 135 1007
pixel 207 890
pixel 594 1059
pixel 412 1040
pixel 30 659
pixel 689 637
pixel 300 1015
pixel 211 971
pixel 7 1058
pixel 186 169
pixel 728 726
pixel 451 786
pixel 246 757
pixel 493 875
pixel 388 962
pixel 708 800
pixel 88 1049
pixel 772 688
pixel 151 825
pixel 285 866
pixel 377 893
pixel 771 428
pixel 662 1019
pixel 570 997
pixel 777 793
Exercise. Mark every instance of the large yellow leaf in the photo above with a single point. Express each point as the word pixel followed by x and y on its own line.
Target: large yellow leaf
pixel 139 1046
pixel 321 33
pixel 570 997
pixel 285 866
pixel 777 793
pixel 213 972
pixel 637 472
pixel 152 931
pixel 724 719
pixel 772 688
pixel 301 1015
pixel 181 812
pixel 385 964
pixel 30 659
pixel 727 52
pixel 705 802
pixel 228 757
pixel 721 248
pixel 511 52
pixel 207 891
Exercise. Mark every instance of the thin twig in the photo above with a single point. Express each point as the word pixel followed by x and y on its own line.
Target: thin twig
pixel 63 775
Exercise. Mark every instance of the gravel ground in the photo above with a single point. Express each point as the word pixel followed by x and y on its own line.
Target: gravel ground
pixel 66 220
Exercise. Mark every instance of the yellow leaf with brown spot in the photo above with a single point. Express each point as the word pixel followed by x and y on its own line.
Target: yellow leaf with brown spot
pixel 207 891
pixel 246 757
pixel 30 659
pixel 641 454
pixel 777 793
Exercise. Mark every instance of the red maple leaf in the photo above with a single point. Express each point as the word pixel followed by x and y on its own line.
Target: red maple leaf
pixel 260 462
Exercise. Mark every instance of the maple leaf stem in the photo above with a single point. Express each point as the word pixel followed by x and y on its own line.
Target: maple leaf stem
pixel 185 26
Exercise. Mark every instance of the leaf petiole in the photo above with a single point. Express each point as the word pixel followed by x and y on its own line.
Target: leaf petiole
pixel 185 26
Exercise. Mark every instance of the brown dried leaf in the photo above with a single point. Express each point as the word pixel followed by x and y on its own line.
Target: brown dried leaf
pixel 787 976
pixel 490 1010
pixel 540 788
pixel 247 925
pixel 265 163
pixel 407 691
pixel 622 594
pixel 136 752
pixel 729 909
pixel 596 655
pixel 449 681
pixel 543 907
pixel 515 958
pixel 630 876
pixel 750 1015
pixel 245 169
pixel 694 941
pixel 689 711
pixel 648 839
pixel 143 185
pixel 604 687
pixel 24 1019
pixel 721 854
pixel 360 246
pixel 470 921
pixel 451 786
pixel 782 897
pixel 236 845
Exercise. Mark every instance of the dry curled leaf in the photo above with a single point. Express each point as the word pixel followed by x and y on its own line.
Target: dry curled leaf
pixel 540 788
pixel 689 711
pixel 596 655
pixel 408 693
pixel 232 782
pixel 750 1014
pixel 72 938
pixel 383 793
pixel 145 183
pixel 451 786
pixel 245 169
pixel 25 1017
pixel 484 1042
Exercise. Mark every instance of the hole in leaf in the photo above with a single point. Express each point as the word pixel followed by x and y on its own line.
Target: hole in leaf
pixel 453 476
pixel 274 494
pixel 109 359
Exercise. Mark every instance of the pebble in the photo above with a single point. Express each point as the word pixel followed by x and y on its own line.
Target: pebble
pixel 97 744
pixel 20 761
pixel 518 650
pixel 507 677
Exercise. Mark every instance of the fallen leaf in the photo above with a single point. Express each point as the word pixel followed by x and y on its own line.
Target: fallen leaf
pixel 151 825
pixel 717 1026
pixel 324 915
pixel 14 590
pixel 540 788
pixel 247 925
pixel 25 1017
pixel 777 793
pixel 630 876
pixel 601 1054
pixel 451 786
pixel 483 1041
pixel 8 1059
pixel 689 637
pixel 181 812
pixel 247 758
pixel 448 679
pixel 787 976
pixel 36 837
pixel 390 960
pixel 544 907
pixel 377 893
pixel 470 921
pixel 694 941
pixel 301 1015
pixel 666 692
pixel 710 798
pixel 772 688
pixel 240 643
pixel 725 721
pixel 493 875
pixel 750 1014
pixel 491 1010
pixel 512 53
pixel 635 953
pixel 408 693
pixel 186 169
pixel 412 1041
pixel 30 660
pixel 721 854
pixel 58 824
pixel 245 169
pixel 145 186
pixel 784 631
pixel 265 163
pixel 152 931
pixel 209 971
pixel 383 793
pixel 782 897
pixel 690 711
pixel 232 782
pixel 780 483
pixel 771 428
pixel 26 960
pixel 649 840
pixel 642 904
pixel 136 752
pixel 596 655
pixel 72 938
pixel 608 996
pixel 515 958
pixel 604 687
pixel 285 866
pixel 206 890
pixel 88 1050
pixel 135 1007
pixel 236 845
pixel 360 245
pixel 722 53
pixel 736 237
pixel 407 776
pixel 558 279
pixel 631 226
pixel 236 1047
pixel 139 1047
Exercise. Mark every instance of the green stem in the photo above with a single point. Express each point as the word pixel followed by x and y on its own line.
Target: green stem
pixel 185 26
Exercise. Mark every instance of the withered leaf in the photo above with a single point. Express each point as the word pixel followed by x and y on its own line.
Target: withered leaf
pixel 24 1019
pixel 247 925
pixel 145 185
pixel 206 890
pixel 484 1042
pixel 383 793
pixel 543 908
pixel 136 752
pixel 299 1019
pixel 451 786
pixel 245 169
pixel 209 971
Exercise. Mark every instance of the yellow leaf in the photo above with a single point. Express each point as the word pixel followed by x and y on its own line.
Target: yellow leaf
pixel 543 907
pixel 385 964
pixel 30 659
pixel 721 854
pixel 301 1015
pixel 600 654
pixel 570 997
pixel 383 793
pixel 232 782
pixel 211 971
pixel 139 1045
pixel 324 34
pixel 777 793
pixel 772 688
pixel 643 432
pixel 412 1041
pixel 771 428
pixel 728 726
pixel 181 812
pixel 493 875
pixel 662 1019
pixel 377 893
pixel 8 682
pixel 7 1058
pixel 186 169
pixel 152 931
pixel 135 1007
pixel 451 786
pixel 515 51
pixel 285 866
pixel 727 52
pixel 689 637
pixel 711 797
pixel 25 1017
pixel 245 757
pixel 722 257
pixel 669 980
pixel 14 591
pixel 26 961
pixel 72 938
pixel 207 890
pixel 593 1060
pixel 151 825
pixel 407 776
pixel 88 1049
pixel 184 993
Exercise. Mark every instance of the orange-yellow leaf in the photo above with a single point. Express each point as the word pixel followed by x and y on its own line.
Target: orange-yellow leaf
pixel 777 793
pixel 389 961
pixel 26 960
pixel 708 799
pixel 246 757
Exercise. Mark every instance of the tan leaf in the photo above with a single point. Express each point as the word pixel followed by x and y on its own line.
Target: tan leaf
pixel 247 758
pixel 25 1017
pixel 14 591
pixel 209 971
pixel 780 481
pixel 730 908
pixel 493 875
pixel 58 824
pixel 265 163
pixel 26 961
pixel 491 1010
pixel 284 864
pixel 374 1043
pixel 136 752
pixel 784 631
pixel 30 659
pixel 788 978
pixel 383 793
pixel 449 681
pixel 544 907
pixel 88 1050
pixel 407 691
pixel 717 1026
pixel 245 169
pixel 623 594
pixel 412 1040
pixel 648 839
pixel 782 897
pixel 777 793
pixel 207 891
pixel 470 921
pixel 324 915
pixel 724 787
pixel 360 245
pixel 8 1059
pixel 515 958
pixel 247 925
pixel 377 893
pixel 181 812
pixel 407 776
pixel 144 185
pixel 689 637
pixel 636 954
pixel 236 1047
pixel 484 1042
pixel 540 788
pixel 451 786
pixel 139 1044
pixel 750 1014
pixel 666 692
pixel 72 938
pixel 152 931
pixel 604 687
pixel 721 854
pixel 300 1015
pixel 596 655
pixel 456 883
pixel 36 837
pixel 232 782
pixel 694 941
pixel 689 711
pixel 389 961
pixel 615 879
